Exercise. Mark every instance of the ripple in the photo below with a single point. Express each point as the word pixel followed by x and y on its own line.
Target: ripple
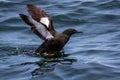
pixel 96 51
pixel 110 4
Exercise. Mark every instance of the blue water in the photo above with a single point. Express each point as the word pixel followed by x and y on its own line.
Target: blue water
pixel 97 50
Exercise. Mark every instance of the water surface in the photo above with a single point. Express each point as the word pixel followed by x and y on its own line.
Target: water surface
pixel 96 50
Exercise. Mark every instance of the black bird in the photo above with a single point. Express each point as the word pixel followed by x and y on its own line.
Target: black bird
pixel 41 24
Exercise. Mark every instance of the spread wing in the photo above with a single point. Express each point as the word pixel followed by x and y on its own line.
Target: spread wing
pixel 40 16
pixel 40 22
pixel 37 27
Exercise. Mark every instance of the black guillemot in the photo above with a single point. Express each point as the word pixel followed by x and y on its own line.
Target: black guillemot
pixel 41 24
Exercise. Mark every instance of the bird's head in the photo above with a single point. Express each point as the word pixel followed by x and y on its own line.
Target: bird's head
pixel 69 32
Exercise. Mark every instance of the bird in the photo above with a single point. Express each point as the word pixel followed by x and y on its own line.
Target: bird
pixel 42 25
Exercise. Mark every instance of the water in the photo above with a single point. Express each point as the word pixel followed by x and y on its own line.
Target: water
pixel 96 50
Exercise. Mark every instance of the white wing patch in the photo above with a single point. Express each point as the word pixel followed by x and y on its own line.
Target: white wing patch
pixel 41 28
pixel 45 21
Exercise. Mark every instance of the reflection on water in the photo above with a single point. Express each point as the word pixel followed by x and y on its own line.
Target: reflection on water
pixel 44 68
pixel 48 65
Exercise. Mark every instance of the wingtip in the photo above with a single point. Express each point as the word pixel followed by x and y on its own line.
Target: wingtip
pixel 22 15
pixel 25 19
pixel 29 6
